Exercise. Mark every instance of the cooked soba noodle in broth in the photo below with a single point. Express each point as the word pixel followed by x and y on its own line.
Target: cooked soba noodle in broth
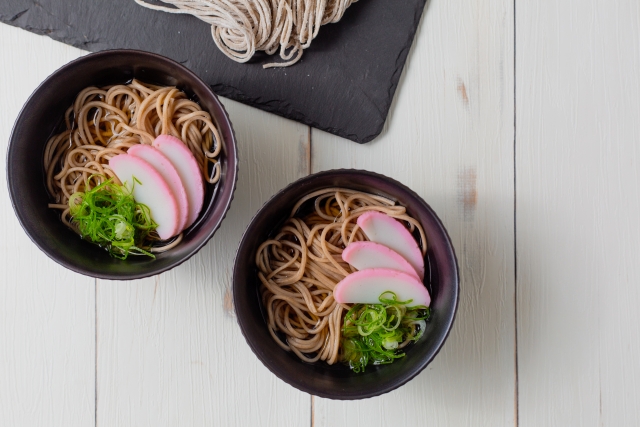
pixel 300 266
pixel 105 122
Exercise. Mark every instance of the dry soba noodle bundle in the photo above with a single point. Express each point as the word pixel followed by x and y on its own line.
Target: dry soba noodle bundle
pixel 242 27
pixel 300 266
pixel 105 122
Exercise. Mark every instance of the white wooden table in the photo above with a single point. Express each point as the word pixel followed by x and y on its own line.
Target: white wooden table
pixel 518 121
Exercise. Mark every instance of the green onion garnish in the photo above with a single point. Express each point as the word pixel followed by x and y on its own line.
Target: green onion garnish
pixel 109 216
pixel 375 333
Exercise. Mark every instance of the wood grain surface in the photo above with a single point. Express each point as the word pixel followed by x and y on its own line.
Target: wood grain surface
pixel 47 313
pixel 578 212
pixel 518 122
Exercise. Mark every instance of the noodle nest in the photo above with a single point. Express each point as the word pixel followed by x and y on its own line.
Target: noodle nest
pixel 105 122
pixel 241 27
pixel 300 266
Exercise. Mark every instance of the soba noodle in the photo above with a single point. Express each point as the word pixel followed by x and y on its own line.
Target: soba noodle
pixel 105 122
pixel 302 263
pixel 241 27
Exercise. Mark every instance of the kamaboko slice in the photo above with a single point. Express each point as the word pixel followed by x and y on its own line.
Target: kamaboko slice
pixel 366 286
pixel 388 231
pixel 163 165
pixel 187 166
pixel 150 189
pixel 363 255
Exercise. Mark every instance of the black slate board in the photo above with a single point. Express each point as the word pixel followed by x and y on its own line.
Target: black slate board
pixel 343 84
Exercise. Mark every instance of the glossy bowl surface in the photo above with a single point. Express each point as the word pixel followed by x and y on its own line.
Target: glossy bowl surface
pixel 337 381
pixel 42 115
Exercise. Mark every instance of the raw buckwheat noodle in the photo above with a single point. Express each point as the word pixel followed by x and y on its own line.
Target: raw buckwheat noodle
pixel 302 263
pixel 241 27
pixel 105 122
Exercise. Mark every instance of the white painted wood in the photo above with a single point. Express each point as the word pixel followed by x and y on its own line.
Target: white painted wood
pixel 170 351
pixel 450 137
pixel 578 210
pixel 47 321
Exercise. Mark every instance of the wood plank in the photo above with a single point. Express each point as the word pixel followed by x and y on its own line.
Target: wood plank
pixel 450 138
pixel 578 206
pixel 170 351
pixel 47 313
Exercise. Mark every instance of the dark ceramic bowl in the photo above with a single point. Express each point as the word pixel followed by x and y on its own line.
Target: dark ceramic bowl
pixel 42 115
pixel 337 381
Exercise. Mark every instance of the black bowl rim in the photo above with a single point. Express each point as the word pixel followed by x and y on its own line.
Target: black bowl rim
pixel 452 253
pixel 232 152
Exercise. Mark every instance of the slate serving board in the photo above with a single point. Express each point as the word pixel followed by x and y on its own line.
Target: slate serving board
pixel 343 84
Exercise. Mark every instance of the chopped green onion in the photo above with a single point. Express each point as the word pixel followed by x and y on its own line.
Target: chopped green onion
pixel 375 333
pixel 109 216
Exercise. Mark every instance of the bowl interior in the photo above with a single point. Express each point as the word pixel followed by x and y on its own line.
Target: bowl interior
pixel 337 381
pixel 42 116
